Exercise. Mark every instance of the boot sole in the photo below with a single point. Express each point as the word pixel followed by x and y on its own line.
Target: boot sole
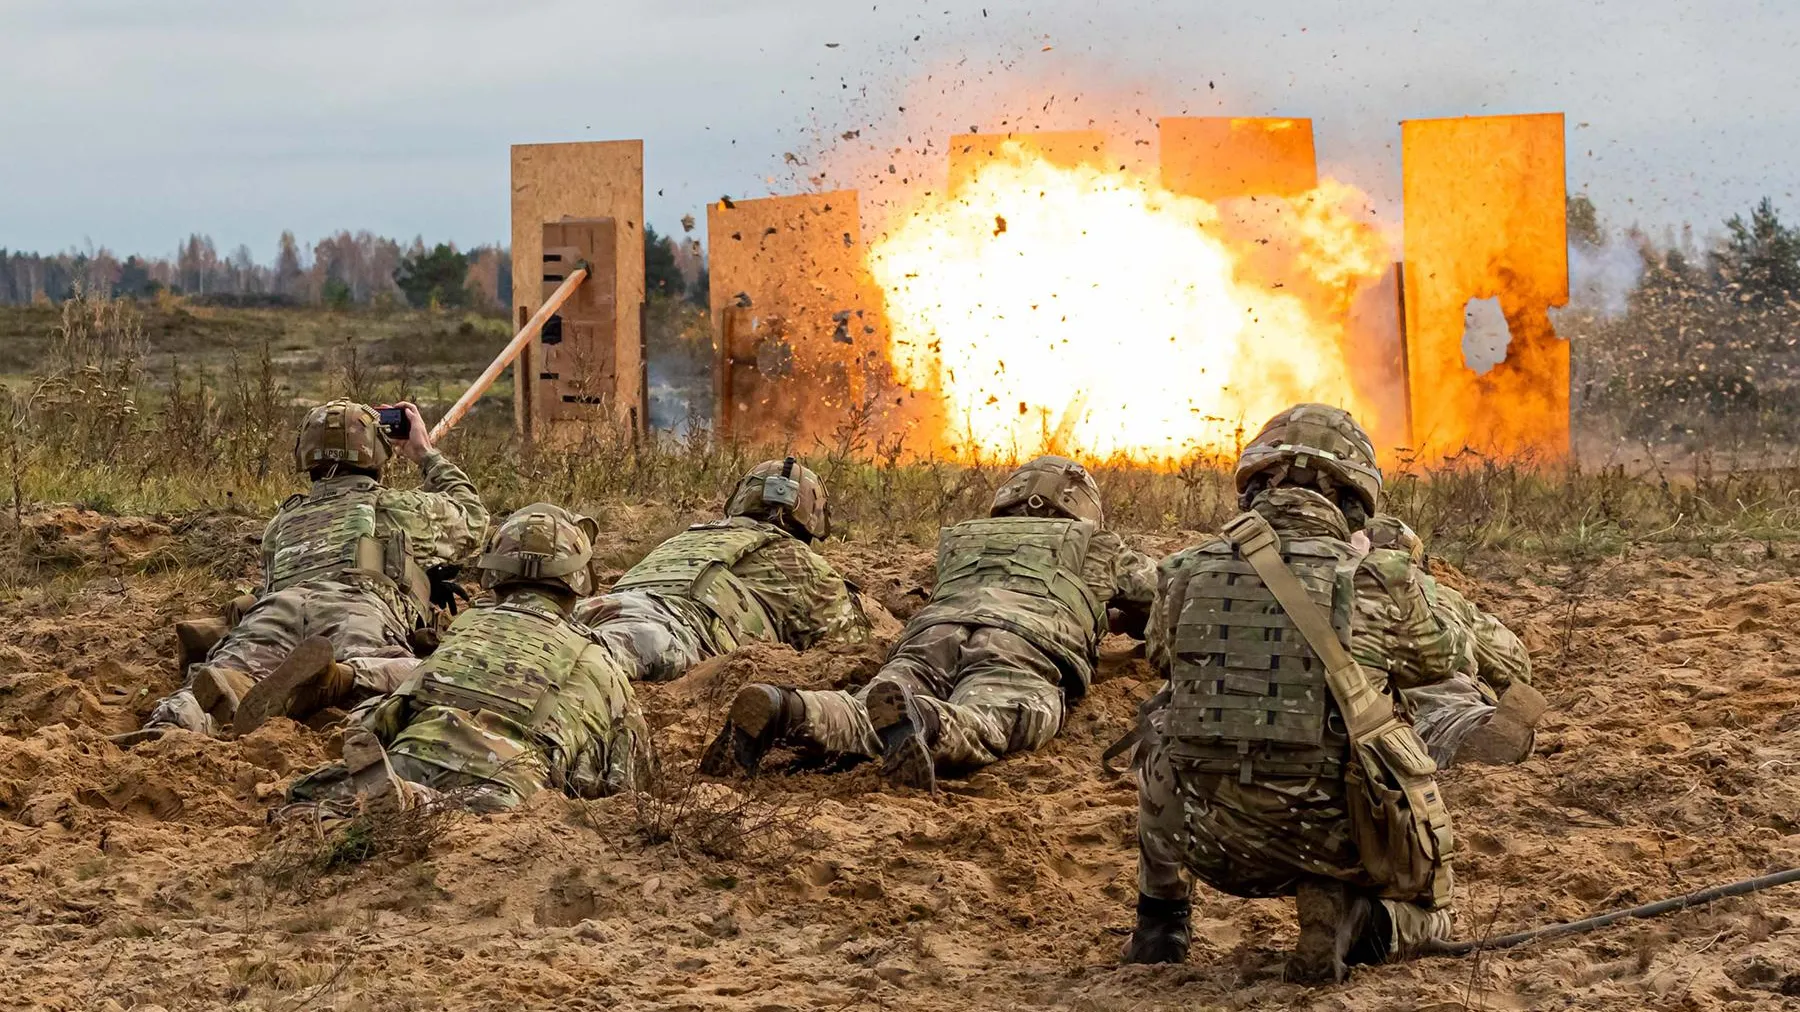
pixel 742 741
pixel 378 788
pixel 194 640
pixel 272 696
pixel 207 689
pixel 1317 957
pixel 887 705
pixel 907 763
pixel 1509 735
pixel 905 759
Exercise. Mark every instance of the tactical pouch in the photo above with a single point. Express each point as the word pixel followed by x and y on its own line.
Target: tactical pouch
pixel 1398 818
pixel 399 566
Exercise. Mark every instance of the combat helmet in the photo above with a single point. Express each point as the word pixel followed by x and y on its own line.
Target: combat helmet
pixel 542 543
pixel 786 493
pixel 1386 530
pixel 1308 441
pixel 1057 484
pixel 342 433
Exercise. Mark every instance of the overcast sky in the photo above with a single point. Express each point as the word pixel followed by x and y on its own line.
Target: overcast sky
pixel 131 123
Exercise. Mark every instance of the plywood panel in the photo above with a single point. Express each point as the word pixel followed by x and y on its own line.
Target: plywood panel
pixel 598 179
pixel 1486 219
pixel 1067 148
pixel 576 355
pixel 800 332
pixel 1222 157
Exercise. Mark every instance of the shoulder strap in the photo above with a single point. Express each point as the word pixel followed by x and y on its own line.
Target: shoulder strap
pixel 1367 711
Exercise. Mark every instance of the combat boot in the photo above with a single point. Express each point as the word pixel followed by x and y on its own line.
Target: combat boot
pixel 1332 920
pixel 1161 935
pixel 307 682
pixel 907 731
pixel 219 691
pixel 237 608
pixel 195 638
pixel 379 790
pixel 760 716
pixel 1509 734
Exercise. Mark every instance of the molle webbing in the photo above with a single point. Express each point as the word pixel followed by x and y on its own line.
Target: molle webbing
pixel 325 534
pixel 507 659
pixel 697 564
pixel 331 533
pixel 1249 693
pixel 1040 557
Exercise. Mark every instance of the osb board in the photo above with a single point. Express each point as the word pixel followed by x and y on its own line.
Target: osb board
pixel 798 322
pixel 1066 148
pixel 591 179
pixel 1485 217
pixel 1221 157
pixel 577 372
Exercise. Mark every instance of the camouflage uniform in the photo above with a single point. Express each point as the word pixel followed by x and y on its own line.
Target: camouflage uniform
pixel 748 578
pixel 368 616
pixel 993 661
pixel 1446 713
pixel 516 699
pixel 1261 838
pixel 1011 633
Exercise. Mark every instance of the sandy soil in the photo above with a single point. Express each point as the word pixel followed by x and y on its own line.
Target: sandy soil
pixel 152 879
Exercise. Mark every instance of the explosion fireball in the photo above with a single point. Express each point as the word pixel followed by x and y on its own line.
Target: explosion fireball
pixel 1087 310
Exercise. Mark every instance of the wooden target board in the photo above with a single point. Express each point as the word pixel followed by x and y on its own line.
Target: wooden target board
pixel 1222 157
pixel 588 366
pixel 800 335
pixel 1486 219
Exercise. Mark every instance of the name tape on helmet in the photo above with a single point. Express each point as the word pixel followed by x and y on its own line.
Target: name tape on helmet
pixel 1311 451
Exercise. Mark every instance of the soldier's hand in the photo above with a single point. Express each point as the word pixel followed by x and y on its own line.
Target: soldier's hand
pixel 418 440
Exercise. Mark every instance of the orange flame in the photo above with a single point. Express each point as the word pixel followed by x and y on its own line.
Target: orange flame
pixel 1085 310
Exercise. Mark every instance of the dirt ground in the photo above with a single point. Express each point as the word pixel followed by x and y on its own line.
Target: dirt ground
pixel 152 878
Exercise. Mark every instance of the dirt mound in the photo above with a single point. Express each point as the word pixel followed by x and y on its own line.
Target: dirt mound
pixel 69 537
pixel 151 878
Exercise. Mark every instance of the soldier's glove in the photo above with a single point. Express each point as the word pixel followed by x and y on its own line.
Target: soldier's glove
pixel 445 591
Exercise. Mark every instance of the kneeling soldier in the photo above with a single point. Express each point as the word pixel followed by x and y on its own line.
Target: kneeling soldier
pixel 1281 763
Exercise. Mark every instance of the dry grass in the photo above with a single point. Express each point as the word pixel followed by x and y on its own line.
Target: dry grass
pixel 751 821
pixel 312 846
pixel 94 427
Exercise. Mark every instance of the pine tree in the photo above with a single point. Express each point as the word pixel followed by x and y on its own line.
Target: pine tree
pixel 1761 258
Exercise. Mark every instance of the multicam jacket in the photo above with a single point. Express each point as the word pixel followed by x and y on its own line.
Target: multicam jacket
pixel 756 582
pixel 352 526
pixel 518 692
pixel 1060 584
pixel 1495 653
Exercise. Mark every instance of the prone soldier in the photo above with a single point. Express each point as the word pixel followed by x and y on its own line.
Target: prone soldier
pixel 518 698
pixel 750 577
pixel 344 579
pixel 988 667
pixel 1487 712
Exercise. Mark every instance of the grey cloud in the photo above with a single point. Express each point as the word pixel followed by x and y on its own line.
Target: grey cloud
pixel 134 123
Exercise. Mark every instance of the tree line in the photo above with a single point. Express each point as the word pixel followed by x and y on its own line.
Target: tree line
pixel 1704 342
pixel 341 271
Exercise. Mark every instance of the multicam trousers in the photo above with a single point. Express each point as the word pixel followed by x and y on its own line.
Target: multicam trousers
pixel 1255 840
pixel 656 638
pixel 365 631
pixel 477 760
pixel 992 691
pixel 1448 712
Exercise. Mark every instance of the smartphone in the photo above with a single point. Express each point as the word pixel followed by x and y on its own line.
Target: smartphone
pixel 395 423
